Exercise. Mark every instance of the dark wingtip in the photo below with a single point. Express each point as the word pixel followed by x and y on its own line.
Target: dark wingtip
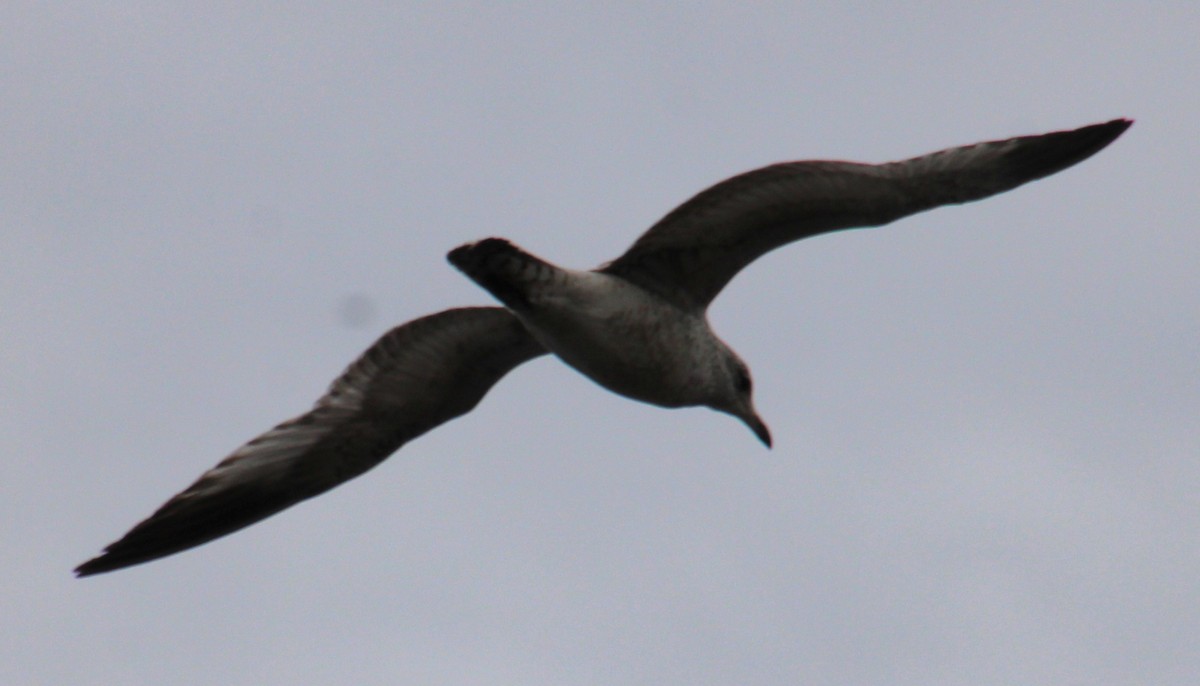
pixel 90 567
pixel 100 564
pixel 1041 156
pixel 1103 134
pixel 176 527
pixel 114 558
pixel 1120 123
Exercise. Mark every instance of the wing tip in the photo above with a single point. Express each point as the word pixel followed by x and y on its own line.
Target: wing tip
pixel 1040 156
pixel 94 566
pixel 104 562
pixel 1108 131
pixel 121 554
pixel 1088 140
pixel 1100 135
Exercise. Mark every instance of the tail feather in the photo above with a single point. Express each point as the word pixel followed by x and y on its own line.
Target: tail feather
pixel 506 271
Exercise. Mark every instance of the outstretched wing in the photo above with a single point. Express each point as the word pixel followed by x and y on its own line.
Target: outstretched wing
pixel 415 377
pixel 691 254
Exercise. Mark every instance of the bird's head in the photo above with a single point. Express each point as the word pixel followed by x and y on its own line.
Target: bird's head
pixel 738 399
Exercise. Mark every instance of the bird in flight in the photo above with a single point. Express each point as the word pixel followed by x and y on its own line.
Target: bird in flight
pixel 636 326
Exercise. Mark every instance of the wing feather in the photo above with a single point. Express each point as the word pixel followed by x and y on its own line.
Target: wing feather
pixel 416 377
pixel 694 251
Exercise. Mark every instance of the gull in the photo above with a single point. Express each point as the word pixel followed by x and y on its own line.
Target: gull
pixel 636 325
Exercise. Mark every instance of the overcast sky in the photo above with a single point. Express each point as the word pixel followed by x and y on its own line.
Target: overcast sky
pixel 985 417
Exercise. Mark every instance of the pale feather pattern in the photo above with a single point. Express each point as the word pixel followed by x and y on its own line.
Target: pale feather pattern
pixel 691 253
pixel 417 376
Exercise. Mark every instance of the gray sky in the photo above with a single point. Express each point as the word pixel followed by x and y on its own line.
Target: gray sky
pixel 985 417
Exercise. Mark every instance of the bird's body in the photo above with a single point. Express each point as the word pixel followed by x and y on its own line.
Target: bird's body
pixel 636 325
pixel 627 339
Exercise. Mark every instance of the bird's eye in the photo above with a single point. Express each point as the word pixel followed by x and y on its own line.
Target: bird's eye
pixel 742 380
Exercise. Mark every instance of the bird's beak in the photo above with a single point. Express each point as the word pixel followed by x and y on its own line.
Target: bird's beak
pixel 758 427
